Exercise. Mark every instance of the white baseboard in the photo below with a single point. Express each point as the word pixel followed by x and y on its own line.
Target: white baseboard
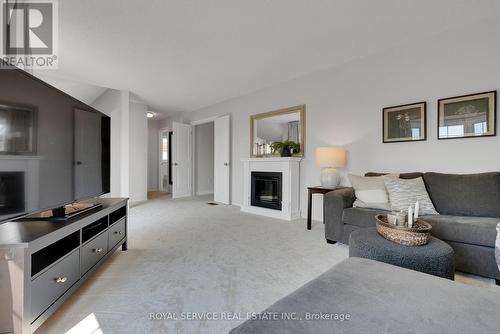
pixel 206 192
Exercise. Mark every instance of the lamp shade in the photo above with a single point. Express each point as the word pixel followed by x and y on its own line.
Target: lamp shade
pixel 330 156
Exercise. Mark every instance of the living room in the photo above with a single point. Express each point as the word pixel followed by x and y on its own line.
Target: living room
pixel 389 112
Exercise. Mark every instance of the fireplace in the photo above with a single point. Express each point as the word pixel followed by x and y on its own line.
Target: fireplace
pixel 266 190
pixel 271 187
pixel 11 193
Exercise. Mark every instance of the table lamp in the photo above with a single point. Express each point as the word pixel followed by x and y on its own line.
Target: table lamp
pixel 329 158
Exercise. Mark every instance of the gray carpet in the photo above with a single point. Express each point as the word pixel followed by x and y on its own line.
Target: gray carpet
pixel 187 256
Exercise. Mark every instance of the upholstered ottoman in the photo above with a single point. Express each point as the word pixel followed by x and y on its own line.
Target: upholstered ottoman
pixel 379 298
pixel 435 258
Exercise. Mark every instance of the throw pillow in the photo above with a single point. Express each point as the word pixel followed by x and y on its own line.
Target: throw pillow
pixel 497 246
pixel 403 193
pixel 370 192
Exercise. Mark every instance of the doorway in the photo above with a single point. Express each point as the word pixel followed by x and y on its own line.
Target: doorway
pixel 165 175
pixel 211 171
pixel 204 159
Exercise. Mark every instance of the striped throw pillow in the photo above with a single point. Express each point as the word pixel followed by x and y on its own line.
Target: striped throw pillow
pixel 403 193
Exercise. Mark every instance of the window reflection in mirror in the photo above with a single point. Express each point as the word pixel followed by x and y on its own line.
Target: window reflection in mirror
pixel 285 125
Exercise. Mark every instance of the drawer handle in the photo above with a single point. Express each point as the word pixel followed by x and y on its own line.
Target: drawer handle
pixel 98 250
pixel 61 279
pixel 119 232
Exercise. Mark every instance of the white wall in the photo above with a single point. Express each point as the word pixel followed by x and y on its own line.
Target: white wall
pixel 153 153
pixel 138 151
pixel 129 142
pixel 166 123
pixel 204 158
pixel 344 107
pixel 115 104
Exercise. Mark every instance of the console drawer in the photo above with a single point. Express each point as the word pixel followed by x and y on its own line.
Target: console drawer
pixel 49 286
pixel 116 233
pixel 94 251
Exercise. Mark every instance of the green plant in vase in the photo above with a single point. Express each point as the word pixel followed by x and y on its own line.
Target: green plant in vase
pixel 285 148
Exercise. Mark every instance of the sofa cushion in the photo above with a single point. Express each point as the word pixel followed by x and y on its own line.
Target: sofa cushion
pixel 361 217
pixel 497 246
pixel 470 230
pixel 465 195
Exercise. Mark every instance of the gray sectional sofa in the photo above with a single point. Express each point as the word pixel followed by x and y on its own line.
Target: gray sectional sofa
pixel 469 208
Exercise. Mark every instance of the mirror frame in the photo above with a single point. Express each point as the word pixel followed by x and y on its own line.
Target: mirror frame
pixel 301 109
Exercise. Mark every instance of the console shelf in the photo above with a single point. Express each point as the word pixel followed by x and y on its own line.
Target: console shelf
pixel 48 255
pixel 43 262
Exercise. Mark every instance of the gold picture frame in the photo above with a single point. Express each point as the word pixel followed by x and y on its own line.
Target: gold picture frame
pixel 300 110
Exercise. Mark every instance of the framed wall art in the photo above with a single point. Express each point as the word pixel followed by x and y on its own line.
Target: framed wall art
pixel 405 123
pixel 467 116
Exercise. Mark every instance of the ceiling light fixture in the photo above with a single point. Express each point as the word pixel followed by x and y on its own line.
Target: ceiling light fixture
pixel 150 114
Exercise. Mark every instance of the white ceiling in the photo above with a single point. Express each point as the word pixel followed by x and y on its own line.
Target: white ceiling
pixel 182 55
pixel 81 91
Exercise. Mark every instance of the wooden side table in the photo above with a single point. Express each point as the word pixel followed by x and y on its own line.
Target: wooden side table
pixel 311 191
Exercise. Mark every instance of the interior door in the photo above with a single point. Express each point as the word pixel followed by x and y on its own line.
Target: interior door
pixel 222 158
pixel 88 155
pixel 182 160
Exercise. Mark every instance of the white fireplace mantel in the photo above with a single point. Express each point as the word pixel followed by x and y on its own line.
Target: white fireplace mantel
pixel 290 169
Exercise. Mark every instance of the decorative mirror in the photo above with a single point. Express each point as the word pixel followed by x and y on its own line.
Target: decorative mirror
pixel 278 133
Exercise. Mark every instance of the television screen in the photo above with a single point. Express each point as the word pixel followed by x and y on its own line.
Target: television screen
pixel 54 149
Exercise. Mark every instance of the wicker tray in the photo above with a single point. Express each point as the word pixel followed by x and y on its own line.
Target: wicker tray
pixel 418 235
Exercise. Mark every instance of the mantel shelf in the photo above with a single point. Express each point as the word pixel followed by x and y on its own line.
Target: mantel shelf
pixel 272 159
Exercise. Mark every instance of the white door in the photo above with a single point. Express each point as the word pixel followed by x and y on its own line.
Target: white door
pixel 182 160
pixel 222 158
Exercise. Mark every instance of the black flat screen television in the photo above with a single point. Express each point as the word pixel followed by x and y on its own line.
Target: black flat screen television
pixel 54 149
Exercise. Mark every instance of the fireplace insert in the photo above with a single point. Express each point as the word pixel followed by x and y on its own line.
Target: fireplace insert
pixel 11 193
pixel 266 190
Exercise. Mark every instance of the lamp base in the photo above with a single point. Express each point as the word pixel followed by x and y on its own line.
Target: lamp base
pixel 330 178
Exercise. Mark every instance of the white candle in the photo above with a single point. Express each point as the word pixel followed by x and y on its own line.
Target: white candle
pixel 417 208
pixel 410 216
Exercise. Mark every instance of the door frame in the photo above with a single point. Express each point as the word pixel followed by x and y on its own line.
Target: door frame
pixel 160 160
pixel 170 135
pixel 193 144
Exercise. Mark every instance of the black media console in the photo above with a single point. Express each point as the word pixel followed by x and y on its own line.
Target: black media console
pixel 43 262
